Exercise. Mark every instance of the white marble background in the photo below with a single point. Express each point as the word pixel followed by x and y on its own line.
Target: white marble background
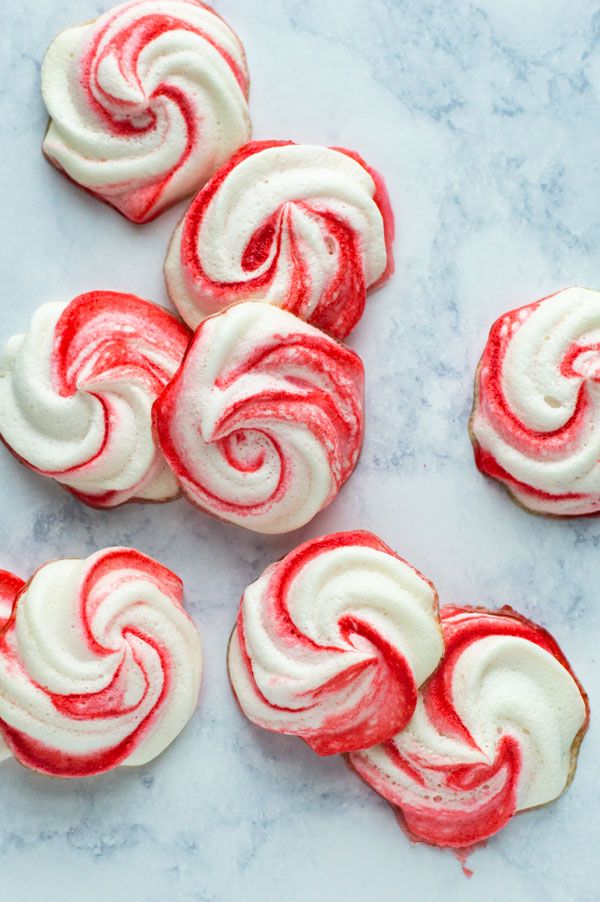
pixel 484 118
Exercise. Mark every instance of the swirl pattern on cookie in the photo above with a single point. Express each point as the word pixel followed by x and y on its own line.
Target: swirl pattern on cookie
pixel 145 103
pixel 332 643
pixel 76 394
pixel 307 228
pixel 536 418
pixel 99 665
pixel 496 731
pixel 264 420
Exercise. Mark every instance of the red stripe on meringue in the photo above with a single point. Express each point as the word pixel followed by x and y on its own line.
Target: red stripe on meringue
pixel 283 574
pixel 489 466
pixel 127 45
pixel 248 661
pixel 462 627
pixel 113 37
pixel 382 199
pixel 93 335
pixel 465 827
pixel 190 259
pixel 56 762
pixel 10 588
pixel 129 565
pixel 493 399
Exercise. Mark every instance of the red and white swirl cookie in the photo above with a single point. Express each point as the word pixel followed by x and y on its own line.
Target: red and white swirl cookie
pixel 263 422
pixel 497 730
pixel 307 228
pixel 333 641
pixel 76 394
pixel 99 664
pixel 535 424
pixel 145 103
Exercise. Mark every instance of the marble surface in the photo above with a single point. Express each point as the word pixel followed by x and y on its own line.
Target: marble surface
pixel 484 119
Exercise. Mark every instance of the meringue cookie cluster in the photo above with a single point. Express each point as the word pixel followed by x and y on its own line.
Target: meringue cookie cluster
pixel 148 103
pixel 259 420
pixel 145 103
pixel 460 718
pixel 339 643
pixel 99 663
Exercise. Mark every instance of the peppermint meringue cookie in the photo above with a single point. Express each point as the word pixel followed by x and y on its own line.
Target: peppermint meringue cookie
pixel 145 103
pixel 263 422
pixel 496 731
pixel 76 394
pixel 307 228
pixel 535 424
pixel 99 665
pixel 333 641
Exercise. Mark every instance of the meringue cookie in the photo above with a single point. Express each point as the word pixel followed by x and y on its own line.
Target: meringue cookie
pixel 536 419
pixel 332 642
pixel 145 103
pixel 100 665
pixel 307 228
pixel 76 393
pixel 496 730
pixel 263 422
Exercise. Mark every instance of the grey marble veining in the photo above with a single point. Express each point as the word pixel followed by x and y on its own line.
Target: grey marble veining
pixel 484 119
